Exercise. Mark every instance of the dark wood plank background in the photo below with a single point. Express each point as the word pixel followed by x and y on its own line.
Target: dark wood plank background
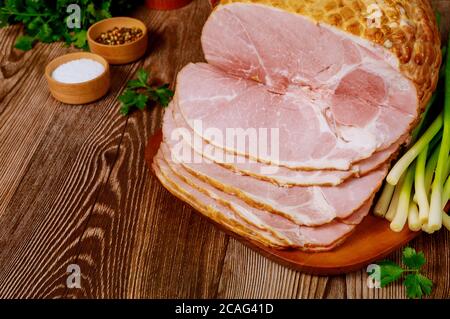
pixel 74 189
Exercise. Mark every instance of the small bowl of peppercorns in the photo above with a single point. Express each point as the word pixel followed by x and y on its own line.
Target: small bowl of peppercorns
pixel 119 40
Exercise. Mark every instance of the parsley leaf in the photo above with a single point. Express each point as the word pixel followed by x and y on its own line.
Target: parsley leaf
pixel 142 76
pixel 417 285
pixel 125 109
pixel 79 39
pixel 412 259
pixel 3 20
pixel 45 33
pixel 162 95
pixel 390 272
pixel 141 101
pixel 91 9
pixel 138 93
pixel 24 42
pixel 135 84
pixel 128 97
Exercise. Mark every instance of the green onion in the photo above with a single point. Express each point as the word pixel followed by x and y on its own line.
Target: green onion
pixel 417 188
pixel 392 211
pixel 402 165
pixel 414 222
pixel 427 229
pixel 382 205
pixel 446 221
pixel 431 167
pixel 429 173
pixel 446 193
pixel 419 185
pixel 401 215
pixel 435 215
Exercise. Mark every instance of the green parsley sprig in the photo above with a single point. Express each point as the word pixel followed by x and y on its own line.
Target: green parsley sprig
pixel 417 285
pixel 45 20
pixel 138 93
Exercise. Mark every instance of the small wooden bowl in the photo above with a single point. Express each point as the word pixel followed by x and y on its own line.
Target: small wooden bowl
pixel 78 93
pixel 121 53
pixel 166 4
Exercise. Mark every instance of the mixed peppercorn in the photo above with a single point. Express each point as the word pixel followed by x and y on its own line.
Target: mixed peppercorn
pixel 120 36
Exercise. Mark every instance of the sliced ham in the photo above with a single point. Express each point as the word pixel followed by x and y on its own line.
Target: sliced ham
pixel 279 175
pixel 312 205
pixel 208 207
pixel 330 93
pixel 357 217
pixel 319 43
pixel 294 236
pixel 222 103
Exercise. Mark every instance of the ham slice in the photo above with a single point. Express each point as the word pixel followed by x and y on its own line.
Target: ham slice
pixel 292 235
pixel 278 175
pixel 351 94
pixel 312 205
pixel 223 103
pixel 207 206
pixel 287 42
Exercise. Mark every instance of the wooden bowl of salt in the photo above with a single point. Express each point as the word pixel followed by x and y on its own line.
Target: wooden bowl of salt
pixel 78 78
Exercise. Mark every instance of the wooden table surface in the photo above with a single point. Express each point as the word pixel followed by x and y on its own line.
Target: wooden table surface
pixel 74 189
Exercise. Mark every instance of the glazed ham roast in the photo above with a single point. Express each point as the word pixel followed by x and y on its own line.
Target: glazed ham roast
pixel 337 87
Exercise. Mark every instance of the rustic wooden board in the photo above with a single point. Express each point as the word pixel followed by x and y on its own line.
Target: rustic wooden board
pixel 74 188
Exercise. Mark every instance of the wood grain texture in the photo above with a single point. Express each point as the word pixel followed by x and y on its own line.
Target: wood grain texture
pixel 74 189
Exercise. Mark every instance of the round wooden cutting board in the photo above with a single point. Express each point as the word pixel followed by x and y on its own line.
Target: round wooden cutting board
pixel 370 242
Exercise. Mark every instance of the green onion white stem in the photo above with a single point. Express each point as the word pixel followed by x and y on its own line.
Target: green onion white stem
pixel 427 229
pixel 401 215
pixel 419 185
pixel 392 211
pixel 382 205
pixel 429 172
pixel 414 222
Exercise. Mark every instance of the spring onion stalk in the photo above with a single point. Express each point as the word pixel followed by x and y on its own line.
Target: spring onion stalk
pixel 429 171
pixel 419 185
pixel 447 170
pixel 414 222
pixel 431 167
pixel 445 199
pixel 382 205
pixel 446 193
pixel 392 210
pixel 436 141
pixel 446 221
pixel 402 165
pixel 435 215
pixel 401 215
pixel 427 229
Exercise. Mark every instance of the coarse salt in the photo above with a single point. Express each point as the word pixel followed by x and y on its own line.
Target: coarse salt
pixel 78 71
